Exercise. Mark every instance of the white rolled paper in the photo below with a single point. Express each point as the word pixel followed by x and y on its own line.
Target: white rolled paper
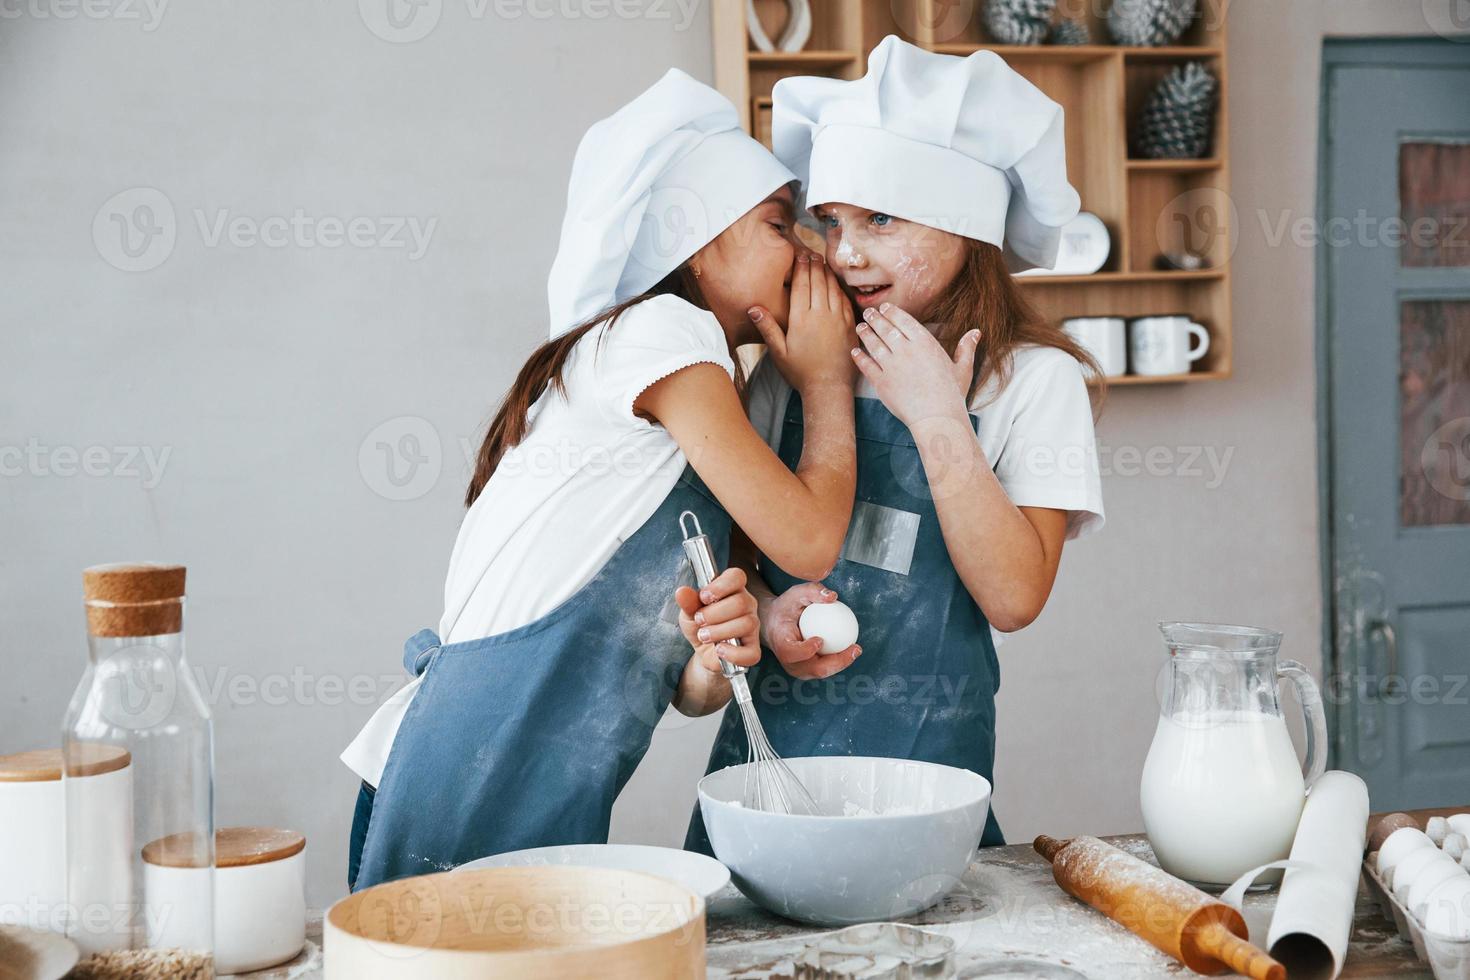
pixel 1314 912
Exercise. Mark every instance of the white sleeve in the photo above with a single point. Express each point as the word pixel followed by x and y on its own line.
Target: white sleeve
pixel 1050 454
pixel 649 342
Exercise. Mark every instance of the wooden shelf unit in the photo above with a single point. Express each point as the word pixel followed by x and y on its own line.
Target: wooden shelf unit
pixel 1148 206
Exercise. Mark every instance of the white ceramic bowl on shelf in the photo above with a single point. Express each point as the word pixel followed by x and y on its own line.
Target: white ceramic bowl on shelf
pixel 896 838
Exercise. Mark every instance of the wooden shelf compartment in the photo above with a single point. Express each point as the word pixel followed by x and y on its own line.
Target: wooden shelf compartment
pixel 1090 93
pixel 1176 212
pixel 1204 300
pixel 1140 80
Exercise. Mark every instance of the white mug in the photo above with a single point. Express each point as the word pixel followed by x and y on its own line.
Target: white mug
pixel 1162 344
pixel 1103 338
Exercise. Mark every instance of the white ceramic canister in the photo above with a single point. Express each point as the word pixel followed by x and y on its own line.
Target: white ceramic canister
pixel 33 886
pixel 259 897
pixel 33 844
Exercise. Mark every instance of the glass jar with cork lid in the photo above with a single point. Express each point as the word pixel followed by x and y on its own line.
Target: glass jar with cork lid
pixel 139 695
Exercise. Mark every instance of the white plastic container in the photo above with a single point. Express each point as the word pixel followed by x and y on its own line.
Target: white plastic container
pixel 259 897
pixel 33 845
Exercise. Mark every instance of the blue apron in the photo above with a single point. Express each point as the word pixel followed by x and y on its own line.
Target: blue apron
pixel 924 687
pixel 525 738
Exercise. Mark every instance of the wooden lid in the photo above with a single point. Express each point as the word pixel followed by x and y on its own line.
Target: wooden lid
pixel 237 846
pixel 234 847
pixel 44 765
pixel 135 599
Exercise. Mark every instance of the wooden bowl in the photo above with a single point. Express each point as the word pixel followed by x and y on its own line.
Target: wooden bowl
pixel 518 922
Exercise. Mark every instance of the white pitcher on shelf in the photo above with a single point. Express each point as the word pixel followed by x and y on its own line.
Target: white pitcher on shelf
pixel 1222 790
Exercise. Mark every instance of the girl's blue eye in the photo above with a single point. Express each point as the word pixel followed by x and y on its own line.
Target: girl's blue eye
pixel 779 226
pixel 829 221
pixel 880 220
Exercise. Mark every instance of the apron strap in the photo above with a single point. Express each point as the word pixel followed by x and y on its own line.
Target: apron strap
pixel 418 650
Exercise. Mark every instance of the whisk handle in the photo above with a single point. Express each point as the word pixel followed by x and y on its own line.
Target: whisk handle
pixel 702 558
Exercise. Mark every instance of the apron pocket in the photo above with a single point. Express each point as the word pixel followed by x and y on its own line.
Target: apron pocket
pixel 881 537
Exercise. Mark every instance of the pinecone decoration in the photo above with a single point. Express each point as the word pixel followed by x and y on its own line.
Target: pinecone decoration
pixel 1019 21
pixel 1177 119
pixel 1150 23
pixel 1070 32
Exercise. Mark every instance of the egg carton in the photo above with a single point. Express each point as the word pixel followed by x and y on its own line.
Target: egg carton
pixel 1448 959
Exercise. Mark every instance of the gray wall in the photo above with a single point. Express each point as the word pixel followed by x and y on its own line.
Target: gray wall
pixel 262 368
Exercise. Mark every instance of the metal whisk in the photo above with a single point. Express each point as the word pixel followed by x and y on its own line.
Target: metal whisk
pixel 770 784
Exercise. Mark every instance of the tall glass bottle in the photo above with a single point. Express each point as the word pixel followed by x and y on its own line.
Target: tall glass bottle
pixel 140 851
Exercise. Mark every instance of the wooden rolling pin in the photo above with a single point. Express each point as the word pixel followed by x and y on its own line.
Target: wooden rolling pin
pixel 1204 934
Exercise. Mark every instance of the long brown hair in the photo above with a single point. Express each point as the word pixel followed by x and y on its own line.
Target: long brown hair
pixel 544 369
pixel 984 295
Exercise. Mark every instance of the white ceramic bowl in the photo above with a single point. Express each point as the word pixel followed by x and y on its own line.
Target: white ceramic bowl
pixel 899 838
pixel 702 875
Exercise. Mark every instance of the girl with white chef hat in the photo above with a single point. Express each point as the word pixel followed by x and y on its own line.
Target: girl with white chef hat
pixel 932 177
pixel 560 648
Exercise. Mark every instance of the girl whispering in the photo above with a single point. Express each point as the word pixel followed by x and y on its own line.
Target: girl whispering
pixel 933 178
pixel 560 648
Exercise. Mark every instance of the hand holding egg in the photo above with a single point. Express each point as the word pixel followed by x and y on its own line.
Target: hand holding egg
pixel 803 649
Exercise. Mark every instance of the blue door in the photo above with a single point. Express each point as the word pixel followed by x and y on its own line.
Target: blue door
pixel 1394 316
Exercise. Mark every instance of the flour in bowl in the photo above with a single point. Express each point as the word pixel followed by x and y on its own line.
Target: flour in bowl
pixel 851 809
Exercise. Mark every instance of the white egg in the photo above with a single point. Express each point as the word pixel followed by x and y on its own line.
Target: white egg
pixel 1425 882
pixel 833 622
pixel 1447 910
pixel 1460 823
pixel 1399 845
pixel 1411 867
pixel 1438 829
pixel 1455 845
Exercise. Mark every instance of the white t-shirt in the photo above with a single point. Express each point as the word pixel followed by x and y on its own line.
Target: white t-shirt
pixel 1037 433
pixel 588 474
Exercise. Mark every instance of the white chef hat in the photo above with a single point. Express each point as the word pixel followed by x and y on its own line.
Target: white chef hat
pixel 651 185
pixel 965 145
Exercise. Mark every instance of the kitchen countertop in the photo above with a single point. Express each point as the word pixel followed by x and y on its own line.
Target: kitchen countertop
pixel 1009 912
pixel 1007 917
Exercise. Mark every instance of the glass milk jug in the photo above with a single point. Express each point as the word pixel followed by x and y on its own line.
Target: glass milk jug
pixel 1222 790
